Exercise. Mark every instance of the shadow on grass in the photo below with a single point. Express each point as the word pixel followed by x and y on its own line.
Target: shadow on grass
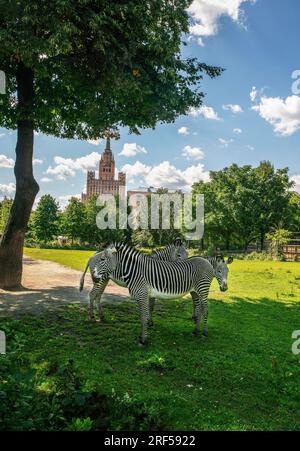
pixel 41 301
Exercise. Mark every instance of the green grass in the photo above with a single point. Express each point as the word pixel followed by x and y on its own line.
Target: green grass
pixel 243 377
pixel 72 259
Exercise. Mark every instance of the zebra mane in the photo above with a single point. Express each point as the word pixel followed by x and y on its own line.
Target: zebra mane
pixel 214 260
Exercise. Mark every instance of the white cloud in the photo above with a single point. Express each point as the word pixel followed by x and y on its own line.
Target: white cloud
pixel 7 190
pixel 36 161
pixel 282 114
pixel 250 147
pixel 233 108
pixel 205 111
pixel 237 131
pixel 225 142
pixel 64 200
pixel 296 179
pixel 94 142
pixel 132 149
pixel 166 175
pixel 45 180
pixel 193 153
pixel 253 94
pixel 67 167
pixel 206 15
pixel 1 135
pixel 6 162
pixel 183 131
pixel 137 169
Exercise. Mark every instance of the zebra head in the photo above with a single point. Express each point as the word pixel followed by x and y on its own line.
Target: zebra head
pixel 221 271
pixel 106 263
pixel 180 252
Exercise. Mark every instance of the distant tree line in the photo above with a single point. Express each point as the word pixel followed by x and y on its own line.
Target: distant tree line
pixel 243 205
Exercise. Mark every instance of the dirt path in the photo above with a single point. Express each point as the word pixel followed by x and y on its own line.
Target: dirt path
pixel 48 285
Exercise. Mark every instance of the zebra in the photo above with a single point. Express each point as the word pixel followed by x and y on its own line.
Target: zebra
pixel 220 266
pixel 146 277
pixel 172 252
pixel 220 271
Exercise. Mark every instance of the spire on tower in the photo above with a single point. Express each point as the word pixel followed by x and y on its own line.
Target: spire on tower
pixel 107 147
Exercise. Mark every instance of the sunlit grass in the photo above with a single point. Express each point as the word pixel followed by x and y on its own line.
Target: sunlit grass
pixel 243 377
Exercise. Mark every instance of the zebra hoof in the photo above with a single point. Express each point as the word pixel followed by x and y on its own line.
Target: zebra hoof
pixel 204 334
pixel 141 345
pixel 196 333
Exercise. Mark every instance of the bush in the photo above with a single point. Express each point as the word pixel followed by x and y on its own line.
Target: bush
pixel 262 256
pixel 52 397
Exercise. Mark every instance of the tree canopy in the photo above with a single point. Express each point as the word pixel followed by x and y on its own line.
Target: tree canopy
pixel 243 204
pixel 77 69
pixel 98 64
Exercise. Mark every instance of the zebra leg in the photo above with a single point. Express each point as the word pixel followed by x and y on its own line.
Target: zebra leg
pixel 101 287
pixel 194 311
pixel 140 294
pixel 92 297
pixel 204 306
pixel 197 312
pixel 151 308
pixel 202 292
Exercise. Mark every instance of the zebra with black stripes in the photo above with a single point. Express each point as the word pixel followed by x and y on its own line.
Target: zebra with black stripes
pixel 146 277
pixel 172 252
pixel 218 263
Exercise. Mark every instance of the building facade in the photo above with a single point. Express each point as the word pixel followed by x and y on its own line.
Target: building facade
pixel 106 183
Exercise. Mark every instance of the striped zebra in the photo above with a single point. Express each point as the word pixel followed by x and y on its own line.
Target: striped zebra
pixel 172 252
pixel 146 277
pixel 220 266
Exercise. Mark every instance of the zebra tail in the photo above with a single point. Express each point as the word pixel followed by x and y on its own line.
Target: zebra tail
pixel 82 278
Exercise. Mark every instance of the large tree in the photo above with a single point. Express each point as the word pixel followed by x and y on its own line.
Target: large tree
pixel 46 217
pixel 77 68
pixel 73 221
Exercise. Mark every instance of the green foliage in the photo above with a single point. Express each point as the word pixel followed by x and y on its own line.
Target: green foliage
pixel 93 234
pixel 74 220
pixel 259 256
pixel 142 238
pixel 279 238
pixel 81 424
pixel 98 64
pixel 295 212
pixel 44 224
pixel 5 207
pixel 154 361
pixel 243 204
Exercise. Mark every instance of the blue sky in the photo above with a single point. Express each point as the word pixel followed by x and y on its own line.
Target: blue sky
pixel 257 42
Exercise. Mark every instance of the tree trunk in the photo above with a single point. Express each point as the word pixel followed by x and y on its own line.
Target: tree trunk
pixel 262 241
pixel 12 242
pixel 227 244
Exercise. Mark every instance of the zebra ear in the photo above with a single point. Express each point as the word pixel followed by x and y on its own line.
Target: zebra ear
pixel 229 261
pixel 177 242
pixel 220 259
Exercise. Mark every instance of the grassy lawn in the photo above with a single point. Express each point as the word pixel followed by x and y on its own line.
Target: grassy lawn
pixel 243 377
pixel 72 259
